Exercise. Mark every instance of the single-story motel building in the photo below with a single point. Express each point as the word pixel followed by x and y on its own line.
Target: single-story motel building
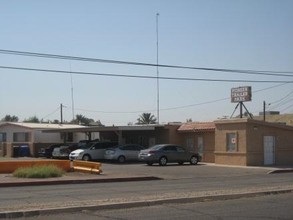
pixel 238 141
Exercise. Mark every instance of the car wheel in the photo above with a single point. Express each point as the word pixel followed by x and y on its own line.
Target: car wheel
pixel 163 161
pixel 86 157
pixel 149 163
pixel 193 160
pixel 121 159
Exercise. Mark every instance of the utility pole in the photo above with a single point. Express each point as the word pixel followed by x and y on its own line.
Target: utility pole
pixel 264 110
pixel 158 85
pixel 61 113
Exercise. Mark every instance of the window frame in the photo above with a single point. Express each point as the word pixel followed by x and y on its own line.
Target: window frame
pixel 17 138
pixel 3 136
pixel 232 142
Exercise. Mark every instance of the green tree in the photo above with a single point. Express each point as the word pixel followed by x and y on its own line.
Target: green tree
pixel 146 118
pixel 9 118
pixel 33 119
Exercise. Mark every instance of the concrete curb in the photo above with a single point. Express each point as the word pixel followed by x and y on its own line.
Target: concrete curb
pixel 81 181
pixel 32 213
pixel 289 170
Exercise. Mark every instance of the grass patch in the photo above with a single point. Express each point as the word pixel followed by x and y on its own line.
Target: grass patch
pixel 44 171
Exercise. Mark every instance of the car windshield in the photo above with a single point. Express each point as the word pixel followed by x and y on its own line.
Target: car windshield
pixel 63 147
pixel 87 146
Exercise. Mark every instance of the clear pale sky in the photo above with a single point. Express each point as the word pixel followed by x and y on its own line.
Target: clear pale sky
pixel 232 34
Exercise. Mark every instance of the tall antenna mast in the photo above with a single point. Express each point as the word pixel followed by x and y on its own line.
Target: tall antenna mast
pixel 158 84
pixel 72 97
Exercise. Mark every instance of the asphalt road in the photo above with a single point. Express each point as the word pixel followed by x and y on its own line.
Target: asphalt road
pixel 263 207
pixel 177 182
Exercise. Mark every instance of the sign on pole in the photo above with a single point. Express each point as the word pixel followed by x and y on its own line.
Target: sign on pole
pixel 241 94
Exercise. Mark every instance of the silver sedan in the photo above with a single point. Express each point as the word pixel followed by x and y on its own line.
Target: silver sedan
pixel 128 152
pixel 165 153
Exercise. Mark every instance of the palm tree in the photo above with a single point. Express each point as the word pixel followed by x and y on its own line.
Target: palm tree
pixel 81 119
pixel 146 118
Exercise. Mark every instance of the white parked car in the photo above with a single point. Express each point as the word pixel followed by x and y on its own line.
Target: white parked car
pixel 61 152
pixel 92 151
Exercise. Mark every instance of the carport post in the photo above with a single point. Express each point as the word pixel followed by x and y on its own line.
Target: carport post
pixel 89 135
pixel 120 139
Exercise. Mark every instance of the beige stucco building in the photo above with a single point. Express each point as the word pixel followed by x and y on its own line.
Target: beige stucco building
pixel 244 142
pixel 253 143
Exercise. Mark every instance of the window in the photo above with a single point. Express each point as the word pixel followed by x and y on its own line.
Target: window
pixel 180 149
pixel 231 142
pixel 170 148
pixel 70 137
pixel 128 147
pixel 2 137
pixel 21 137
pixel 67 136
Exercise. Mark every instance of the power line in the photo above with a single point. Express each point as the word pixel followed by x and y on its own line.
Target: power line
pixel 290 93
pixel 177 107
pixel 85 59
pixel 142 77
pixel 271 87
pixel 51 113
pixel 281 104
pixel 290 106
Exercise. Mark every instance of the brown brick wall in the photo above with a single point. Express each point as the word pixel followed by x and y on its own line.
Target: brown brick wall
pixel 208 142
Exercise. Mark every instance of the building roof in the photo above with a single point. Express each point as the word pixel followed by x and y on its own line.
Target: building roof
pixel 197 127
pixel 284 118
pixel 256 122
pixel 41 126
pixel 148 127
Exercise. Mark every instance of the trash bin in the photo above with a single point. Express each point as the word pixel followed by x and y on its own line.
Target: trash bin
pixel 16 151
pixel 24 151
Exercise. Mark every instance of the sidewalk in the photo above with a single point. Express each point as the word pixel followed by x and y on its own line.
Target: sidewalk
pixel 7 180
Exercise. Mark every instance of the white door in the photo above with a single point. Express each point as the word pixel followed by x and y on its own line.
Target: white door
pixel 269 150
pixel 200 146
pixel 190 144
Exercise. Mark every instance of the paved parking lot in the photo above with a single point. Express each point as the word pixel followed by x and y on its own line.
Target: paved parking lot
pixel 175 171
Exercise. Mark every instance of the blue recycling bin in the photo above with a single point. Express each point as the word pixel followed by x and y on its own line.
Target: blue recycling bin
pixel 24 151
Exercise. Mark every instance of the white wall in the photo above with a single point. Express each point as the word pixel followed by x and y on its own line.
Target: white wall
pixel 41 137
pixel 37 136
pixel 10 129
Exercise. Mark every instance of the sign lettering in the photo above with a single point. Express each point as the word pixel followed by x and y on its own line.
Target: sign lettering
pixel 241 94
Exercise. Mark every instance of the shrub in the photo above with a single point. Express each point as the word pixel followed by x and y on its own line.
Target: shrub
pixel 44 171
